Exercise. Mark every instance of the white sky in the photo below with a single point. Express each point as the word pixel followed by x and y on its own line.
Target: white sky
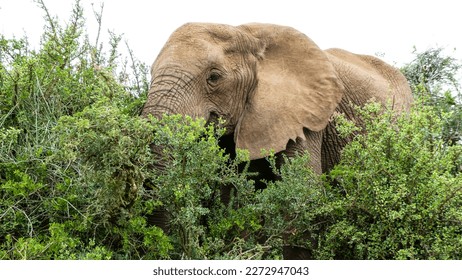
pixel 390 27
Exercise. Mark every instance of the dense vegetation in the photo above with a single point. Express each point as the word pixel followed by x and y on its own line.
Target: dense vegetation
pixel 76 176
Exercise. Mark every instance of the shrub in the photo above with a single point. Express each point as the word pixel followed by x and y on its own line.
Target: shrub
pixel 433 77
pixel 190 188
pixel 43 198
pixel 399 192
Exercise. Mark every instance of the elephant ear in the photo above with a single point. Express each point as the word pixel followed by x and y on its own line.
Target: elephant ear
pixel 297 88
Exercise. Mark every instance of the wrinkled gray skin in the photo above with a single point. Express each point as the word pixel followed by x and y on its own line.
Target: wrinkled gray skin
pixel 272 85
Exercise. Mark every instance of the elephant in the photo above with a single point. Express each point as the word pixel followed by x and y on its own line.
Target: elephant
pixel 272 85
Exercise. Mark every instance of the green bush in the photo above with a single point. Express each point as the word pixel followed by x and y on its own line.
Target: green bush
pixel 48 198
pixel 399 192
pixel 433 77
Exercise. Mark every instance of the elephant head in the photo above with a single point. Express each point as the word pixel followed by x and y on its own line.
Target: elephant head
pixel 268 83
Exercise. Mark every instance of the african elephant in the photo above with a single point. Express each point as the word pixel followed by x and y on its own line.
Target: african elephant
pixel 273 86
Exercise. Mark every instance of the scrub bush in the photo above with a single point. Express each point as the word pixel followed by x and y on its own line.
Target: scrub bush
pixel 399 191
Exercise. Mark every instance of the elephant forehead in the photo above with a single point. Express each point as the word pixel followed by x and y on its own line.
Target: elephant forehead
pixel 190 49
pixel 203 41
pixel 188 52
pixel 207 31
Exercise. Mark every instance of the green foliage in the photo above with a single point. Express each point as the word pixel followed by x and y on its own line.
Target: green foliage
pixel 433 77
pixel 291 207
pixel 191 187
pixel 48 197
pixel 400 192
pixel 434 70
pixel 56 245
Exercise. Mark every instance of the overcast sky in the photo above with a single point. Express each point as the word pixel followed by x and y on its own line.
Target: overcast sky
pixel 390 27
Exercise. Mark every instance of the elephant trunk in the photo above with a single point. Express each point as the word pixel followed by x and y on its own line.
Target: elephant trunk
pixel 172 92
pixel 160 101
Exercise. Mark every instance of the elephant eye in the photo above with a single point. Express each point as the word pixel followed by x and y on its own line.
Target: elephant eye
pixel 213 78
